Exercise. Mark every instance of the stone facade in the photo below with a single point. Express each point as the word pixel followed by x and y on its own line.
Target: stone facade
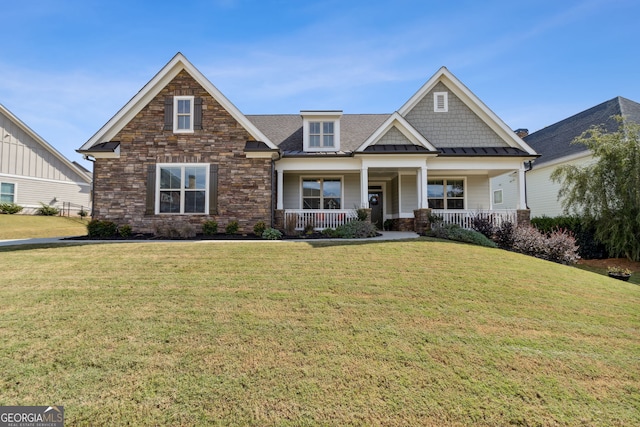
pixel 244 185
pixel 523 217
pixel 422 220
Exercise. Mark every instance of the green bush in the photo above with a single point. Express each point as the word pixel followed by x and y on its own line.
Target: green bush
pixel 259 228
pixel 102 229
pixel 10 208
pixel 356 229
pixel 232 227
pixel 46 210
pixel 362 214
pixel 271 234
pixel 458 234
pixel 125 230
pixel 209 228
pixel 82 213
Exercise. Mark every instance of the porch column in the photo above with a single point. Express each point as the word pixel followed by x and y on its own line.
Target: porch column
pixel 422 188
pixel 364 187
pixel 279 191
pixel 522 202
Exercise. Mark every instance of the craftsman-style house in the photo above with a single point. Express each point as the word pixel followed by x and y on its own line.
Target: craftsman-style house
pixel 179 150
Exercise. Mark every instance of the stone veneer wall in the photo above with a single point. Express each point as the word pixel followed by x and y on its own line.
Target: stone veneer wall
pixel 244 185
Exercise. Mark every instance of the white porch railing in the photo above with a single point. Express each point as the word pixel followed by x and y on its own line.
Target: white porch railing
pixel 318 218
pixel 464 218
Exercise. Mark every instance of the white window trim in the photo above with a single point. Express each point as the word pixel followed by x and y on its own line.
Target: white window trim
pixel 322 177
pixel 451 178
pixel 182 189
pixel 501 197
pixel 322 117
pixel 15 190
pixel 445 99
pixel 175 114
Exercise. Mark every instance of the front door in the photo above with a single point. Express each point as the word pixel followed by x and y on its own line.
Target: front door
pixel 375 204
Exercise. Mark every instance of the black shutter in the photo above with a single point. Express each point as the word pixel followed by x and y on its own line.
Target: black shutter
pixel 197 114
pixel 150 206
pixel 213 189
pixel 168 113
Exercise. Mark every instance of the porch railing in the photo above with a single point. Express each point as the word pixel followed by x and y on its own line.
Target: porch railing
pixel 318 218
pixel 464 218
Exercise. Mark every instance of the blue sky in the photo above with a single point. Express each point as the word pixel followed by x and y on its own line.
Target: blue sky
pixel 68 66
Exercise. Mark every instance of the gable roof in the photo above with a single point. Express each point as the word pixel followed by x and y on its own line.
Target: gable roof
pixel 472 102
pixel 83 173
pixel 153 87
pixel 554 141
pixel 400 123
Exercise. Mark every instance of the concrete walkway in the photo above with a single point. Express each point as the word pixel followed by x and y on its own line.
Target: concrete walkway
pixel 385 235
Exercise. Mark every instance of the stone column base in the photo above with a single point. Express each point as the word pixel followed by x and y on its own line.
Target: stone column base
pixel 523 217
pixel 422 224
pixel 278 219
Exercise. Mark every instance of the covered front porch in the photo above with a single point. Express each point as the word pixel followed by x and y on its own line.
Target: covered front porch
pixel 397 194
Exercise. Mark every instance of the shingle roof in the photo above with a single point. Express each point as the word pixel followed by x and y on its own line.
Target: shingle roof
pixel 285 130
pixel 554 141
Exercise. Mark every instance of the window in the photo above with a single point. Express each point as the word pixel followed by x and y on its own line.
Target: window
pixel 183 114
pixel 497 197
pixel 182 188
pixel 7 192
pixel 445 193
pixel 440 102
pixel 321 134
pixel 321 193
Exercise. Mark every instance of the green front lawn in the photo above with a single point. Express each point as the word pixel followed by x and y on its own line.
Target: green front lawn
pixel 32 226
pixel 418 332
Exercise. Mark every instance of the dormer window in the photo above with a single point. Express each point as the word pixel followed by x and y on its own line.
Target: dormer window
pixel 321 130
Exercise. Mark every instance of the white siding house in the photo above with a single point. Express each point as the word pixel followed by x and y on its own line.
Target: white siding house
pixel 33 172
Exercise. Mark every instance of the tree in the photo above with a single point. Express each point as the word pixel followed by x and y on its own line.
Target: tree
pixel 606 192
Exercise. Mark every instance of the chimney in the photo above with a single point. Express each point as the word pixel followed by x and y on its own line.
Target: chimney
pixel 522 132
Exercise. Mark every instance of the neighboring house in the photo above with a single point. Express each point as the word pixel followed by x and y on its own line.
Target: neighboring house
pixel 179 151
pixel 553 143
pixel 33 172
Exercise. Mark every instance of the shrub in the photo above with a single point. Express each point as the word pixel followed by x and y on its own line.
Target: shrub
pixel 362 214
pixel 232 227
pixel 455 232
pixel 46 210
pixel 10 208
pixel 356 229
pixel 125 230
pixel 271 234
pixel 82 213
pixel 259 228
pixel 330 232
pixel 102 229
pixel 585 234
pixel 483 224
pixel 209 228
pixel 559 246
pixel 504 235
pixel 309 228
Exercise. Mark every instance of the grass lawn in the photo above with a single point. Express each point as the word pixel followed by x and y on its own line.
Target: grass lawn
pixel 32 226
pixel 417 332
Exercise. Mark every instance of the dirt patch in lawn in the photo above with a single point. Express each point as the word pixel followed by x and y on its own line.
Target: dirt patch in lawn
pixel 611 262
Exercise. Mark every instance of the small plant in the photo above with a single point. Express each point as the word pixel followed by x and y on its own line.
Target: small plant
pixel 82 213
pixel 330 232
pixel 102 229
pixel 46 210
pixel 125 231
pixel 388 224
pixel 209 228
pixel 232 227
pixel 362 214
pixel 271 234
pixel 259 228
pixel 308 228
pixel 10 208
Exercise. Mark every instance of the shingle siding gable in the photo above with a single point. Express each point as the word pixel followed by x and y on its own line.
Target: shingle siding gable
pixel 459 127
pixel 393 137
